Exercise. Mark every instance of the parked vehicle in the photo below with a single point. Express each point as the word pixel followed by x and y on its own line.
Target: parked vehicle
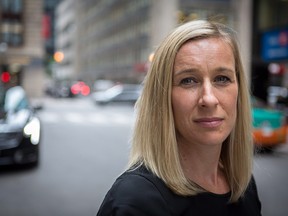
pixel 80 88
pixel 59 89
pixel 19 128
pixel 127 93
pixel 269 126
pixel 102 85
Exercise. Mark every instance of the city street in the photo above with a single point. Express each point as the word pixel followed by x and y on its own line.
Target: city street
pixel 84 148
pixel 272 179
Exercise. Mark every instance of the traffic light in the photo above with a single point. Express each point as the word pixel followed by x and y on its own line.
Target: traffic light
pixel 5 76
pixel 58 56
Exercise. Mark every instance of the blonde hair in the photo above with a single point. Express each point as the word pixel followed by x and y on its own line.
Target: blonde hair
pixel 154 138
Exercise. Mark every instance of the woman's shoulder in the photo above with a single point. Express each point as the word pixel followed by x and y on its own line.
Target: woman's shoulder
pixel 137 182
pixel 137 192
pixel 251 194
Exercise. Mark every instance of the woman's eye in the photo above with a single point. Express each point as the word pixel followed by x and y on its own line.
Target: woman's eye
pixel 222 79
pixel 188 81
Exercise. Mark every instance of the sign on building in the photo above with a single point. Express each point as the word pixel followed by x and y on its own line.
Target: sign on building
pixel 275 45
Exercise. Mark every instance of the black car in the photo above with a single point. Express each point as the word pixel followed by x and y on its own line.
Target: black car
pixel 19 128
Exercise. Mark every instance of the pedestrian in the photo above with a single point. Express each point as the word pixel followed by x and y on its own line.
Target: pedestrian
pixel 192 146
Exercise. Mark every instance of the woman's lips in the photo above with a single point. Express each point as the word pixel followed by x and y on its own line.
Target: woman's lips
pixel 209 122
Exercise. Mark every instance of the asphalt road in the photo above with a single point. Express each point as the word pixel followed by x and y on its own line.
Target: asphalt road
pixel 84 148
pixel 271 173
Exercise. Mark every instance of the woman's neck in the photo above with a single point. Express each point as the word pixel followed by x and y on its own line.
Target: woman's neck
pixel 201 164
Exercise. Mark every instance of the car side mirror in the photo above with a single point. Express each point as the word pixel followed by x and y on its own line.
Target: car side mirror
pixel 37 107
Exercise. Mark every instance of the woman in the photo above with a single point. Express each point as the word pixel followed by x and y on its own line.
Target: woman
pixel 192 145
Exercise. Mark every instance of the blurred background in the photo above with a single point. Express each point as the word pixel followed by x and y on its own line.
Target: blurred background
pixel 78 67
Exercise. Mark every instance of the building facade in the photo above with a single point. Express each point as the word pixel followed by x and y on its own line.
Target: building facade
pixel 112 39
pixel 66 42
pixel 116 40
pixel 270 50
pixel 21 44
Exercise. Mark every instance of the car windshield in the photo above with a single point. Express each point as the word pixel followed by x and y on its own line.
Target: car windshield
pixel 14 100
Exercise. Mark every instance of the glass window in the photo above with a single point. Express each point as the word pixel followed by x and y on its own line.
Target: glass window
pixel 11 6
pixel 5 5
pixel 16 6
pixel 15 99
pixel 11 22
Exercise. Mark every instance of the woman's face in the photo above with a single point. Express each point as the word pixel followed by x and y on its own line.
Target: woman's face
pixel 204 92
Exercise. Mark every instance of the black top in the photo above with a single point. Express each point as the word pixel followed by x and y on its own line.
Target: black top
pixel 140 193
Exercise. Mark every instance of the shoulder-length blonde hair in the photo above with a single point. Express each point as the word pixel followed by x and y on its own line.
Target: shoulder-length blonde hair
pixel 154 141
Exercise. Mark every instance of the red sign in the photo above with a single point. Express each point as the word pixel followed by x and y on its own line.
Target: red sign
pixel 46 26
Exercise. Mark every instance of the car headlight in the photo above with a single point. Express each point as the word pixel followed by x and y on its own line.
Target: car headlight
pixel 32 130
pixel 266 129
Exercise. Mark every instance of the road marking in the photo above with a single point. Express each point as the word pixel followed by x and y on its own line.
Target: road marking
pixel 98 118
pixel 49 117
pixel 73 117
pixel 90 118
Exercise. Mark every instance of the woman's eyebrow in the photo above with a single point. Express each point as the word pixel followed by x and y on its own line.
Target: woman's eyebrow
pixel 186 71
pixel 195 70
pixel 225 69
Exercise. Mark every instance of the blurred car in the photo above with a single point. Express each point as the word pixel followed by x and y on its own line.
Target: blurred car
pixel 102 85
pixel 269 125
pixel 127 93
pixel 59 89
pixel 80 88
pixel 19 128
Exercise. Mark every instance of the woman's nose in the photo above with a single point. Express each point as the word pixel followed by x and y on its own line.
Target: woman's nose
pixel 207 97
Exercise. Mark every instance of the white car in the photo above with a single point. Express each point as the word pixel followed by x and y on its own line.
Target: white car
pixel 128 93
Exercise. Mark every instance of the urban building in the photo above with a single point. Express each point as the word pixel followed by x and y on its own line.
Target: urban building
pixel 270 50
pixel 102 39
pixel 21 45
pixel 48 33
pixel 115 43
pixel 66 41
pixel 112 39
